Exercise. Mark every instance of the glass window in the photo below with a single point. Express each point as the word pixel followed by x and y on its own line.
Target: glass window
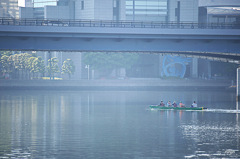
pixel 152 3
pixel 140 12
pixel 129 12
pixel 146 8
pixel 42 3
pixel 129 2
pixel 140 2
pixel 129 7
pixel 140 7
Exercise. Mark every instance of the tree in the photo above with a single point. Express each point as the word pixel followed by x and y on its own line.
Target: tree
pixel 25 57
pixel 68 67
pixel 106 62
pixel 17 63
pixel 7 53
pixel 38 65
pixel 5 65
pixel 52 67
pixel 30 65
pixel 11 68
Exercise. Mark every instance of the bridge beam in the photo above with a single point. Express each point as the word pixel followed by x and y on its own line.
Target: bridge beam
pixel 50 38
pixel 111 44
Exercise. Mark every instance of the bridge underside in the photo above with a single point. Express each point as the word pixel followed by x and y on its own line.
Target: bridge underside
pixel 207 43
pixel 224 50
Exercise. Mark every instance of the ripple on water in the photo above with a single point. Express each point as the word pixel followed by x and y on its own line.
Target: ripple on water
pixel 223 111
pixel 212 141
pixel 17 153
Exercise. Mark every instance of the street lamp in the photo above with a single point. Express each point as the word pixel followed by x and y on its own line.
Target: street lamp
pixel 88 66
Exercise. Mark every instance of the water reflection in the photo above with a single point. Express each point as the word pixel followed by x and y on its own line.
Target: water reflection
pixel 215 140
pixel 115 125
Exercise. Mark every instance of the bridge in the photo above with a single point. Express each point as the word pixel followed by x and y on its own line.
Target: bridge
pixel 219 41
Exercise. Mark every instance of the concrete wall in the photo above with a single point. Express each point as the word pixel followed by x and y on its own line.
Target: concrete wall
pixel 87 12
pixel 56 12
pixel 103 10
pixel 122 9
pixel 188 10
pixel 26 12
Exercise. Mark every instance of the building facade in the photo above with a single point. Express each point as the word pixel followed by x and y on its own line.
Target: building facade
pixel 146 10
pixel 9 9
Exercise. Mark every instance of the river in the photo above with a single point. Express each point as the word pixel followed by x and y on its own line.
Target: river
pixel 117 124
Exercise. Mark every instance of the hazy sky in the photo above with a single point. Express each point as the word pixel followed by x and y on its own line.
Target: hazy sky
pixel 21 3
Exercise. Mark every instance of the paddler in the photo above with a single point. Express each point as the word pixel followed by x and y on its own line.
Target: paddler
pixel 181 104
pixel 194 104
pixel 161 104
pixel 169 104
pixel 174 104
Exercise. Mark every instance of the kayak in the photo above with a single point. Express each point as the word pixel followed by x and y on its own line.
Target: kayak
pixel 156 107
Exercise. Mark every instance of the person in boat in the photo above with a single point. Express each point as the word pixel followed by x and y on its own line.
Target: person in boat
pixel 181 104
pixel 174 104
pixel 194 104
pixel 169 104
pixel 161 104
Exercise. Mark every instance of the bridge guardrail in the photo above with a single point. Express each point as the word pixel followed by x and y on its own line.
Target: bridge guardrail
pixel 117 24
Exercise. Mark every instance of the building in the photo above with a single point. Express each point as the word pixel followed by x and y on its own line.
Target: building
pixel 162 10
pixel 183 10
pixel 9 9
pixel 75 9
pixel 147 10
pixel 219 11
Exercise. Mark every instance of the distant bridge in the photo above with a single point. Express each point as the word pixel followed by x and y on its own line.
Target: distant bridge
pixel 215 41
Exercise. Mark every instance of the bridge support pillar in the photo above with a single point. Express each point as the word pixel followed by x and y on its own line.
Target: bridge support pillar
pixel 194 72
pixel 238 87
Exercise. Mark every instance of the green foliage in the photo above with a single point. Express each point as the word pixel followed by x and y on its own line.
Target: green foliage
pixel 52 66
pixel 106 62
pixel 24 58
pixel 10 63
pixel 5 64
pixel 6 53
pixel 16 65
pixel 224 69
pixel 38 65
pixel 68 67
pixel 21 63
pixel 30 66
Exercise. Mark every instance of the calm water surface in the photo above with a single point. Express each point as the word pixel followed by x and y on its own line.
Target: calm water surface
pixel 108 124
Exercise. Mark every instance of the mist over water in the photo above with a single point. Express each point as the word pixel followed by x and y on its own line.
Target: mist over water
pixel 117 124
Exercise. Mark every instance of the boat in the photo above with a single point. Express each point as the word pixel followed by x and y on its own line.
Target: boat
pixel 157 107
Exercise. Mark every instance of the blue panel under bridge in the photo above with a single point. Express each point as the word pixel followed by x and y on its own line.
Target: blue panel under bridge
pixel 174 66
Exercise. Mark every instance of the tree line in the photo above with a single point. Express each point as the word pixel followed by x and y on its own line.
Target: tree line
pixel 106 62
pixel 29 66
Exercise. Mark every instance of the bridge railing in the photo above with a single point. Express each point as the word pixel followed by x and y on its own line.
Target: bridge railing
pixel 117 24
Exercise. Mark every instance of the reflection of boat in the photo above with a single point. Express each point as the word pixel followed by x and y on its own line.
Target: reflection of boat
pixel 157 107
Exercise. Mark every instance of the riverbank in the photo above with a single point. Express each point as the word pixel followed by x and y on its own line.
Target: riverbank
pixel 127 84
